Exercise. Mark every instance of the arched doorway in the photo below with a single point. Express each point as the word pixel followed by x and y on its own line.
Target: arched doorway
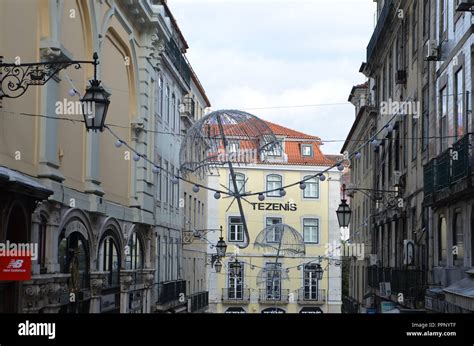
pixel 109 261
pixel 74 259
pixel 16 232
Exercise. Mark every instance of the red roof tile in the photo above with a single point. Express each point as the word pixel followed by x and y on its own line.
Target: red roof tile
pixel 285 131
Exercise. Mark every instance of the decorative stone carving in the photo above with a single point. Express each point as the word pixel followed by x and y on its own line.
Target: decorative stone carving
pixel 32 298
pixel 97 282
pixel 126 280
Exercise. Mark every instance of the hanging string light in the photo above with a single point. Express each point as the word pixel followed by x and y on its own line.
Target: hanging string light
pixel 261 195
pixel 217 195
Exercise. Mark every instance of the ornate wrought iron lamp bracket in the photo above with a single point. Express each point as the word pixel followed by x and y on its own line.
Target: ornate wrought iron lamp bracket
pixel 16 78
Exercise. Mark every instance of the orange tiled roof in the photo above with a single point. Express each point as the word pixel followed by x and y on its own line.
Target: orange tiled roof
pixel 284 131
pixel 295 157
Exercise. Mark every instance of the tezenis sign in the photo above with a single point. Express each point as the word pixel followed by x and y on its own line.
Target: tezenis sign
pixel 275 206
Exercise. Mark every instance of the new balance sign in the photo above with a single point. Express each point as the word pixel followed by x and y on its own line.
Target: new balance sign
pixel 15 268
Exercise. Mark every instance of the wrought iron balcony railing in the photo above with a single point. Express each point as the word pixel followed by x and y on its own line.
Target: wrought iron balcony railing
pixel 308 296
pixel 236 295
pixel 199 301
pixel 379 28
pixel 276 296
pixel 448 169
pixel 407 281
pixel 171 291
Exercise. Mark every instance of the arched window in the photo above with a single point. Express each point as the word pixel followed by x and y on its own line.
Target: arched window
pixel 312 188
pixel 134 253
pixel 74 259
pixel 240 180
pixel 274 181
pixel 109 260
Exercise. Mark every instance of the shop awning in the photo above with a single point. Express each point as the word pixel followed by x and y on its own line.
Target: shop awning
pixel 308 310
pixel 17 182
pixel 461 293
pixel 235 310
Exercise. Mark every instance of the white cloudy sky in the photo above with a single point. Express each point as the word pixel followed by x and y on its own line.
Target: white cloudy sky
pixel 267 53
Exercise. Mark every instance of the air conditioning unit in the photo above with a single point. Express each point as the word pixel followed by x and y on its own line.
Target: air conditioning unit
pixel 401 77
pixel 432 50
pixel 465 5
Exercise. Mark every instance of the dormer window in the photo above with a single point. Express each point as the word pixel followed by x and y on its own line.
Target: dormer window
pixel 233 147
pixel 307 150
pixel 276 150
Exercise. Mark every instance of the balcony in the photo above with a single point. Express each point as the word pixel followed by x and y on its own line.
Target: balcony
pixel 407 281
pixel 178 60
pixel 198 302
pixel 449 175
pixel 233 296
pixel 306 297
pixel 276 297
pixel 379 28
pixel 169 292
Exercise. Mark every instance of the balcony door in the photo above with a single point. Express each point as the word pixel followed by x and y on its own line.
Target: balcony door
pixel 273 282
pixel 310 282
pixel 236 288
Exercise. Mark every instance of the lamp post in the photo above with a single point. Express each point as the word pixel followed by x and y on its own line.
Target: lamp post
pixel 16 78
pixel 221 246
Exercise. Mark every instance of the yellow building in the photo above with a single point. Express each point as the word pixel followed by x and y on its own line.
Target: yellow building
pixel 289 283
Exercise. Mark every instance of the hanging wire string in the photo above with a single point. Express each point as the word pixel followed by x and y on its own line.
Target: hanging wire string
pixel 75 120
pixel 157 167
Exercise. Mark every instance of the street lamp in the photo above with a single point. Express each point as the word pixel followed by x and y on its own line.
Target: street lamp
pixel 218 266
pixel 15 79
pixel 235 268
pixel 95 103
pixel 319 272
pixel 344 214
pixel 221 246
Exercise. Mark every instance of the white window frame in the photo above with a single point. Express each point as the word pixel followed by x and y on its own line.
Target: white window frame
pixel 238 231
pixel 309 182
pixel 273 237
pixel 239 178
pixel 306 146
pixel 312 226
pixel 273 185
